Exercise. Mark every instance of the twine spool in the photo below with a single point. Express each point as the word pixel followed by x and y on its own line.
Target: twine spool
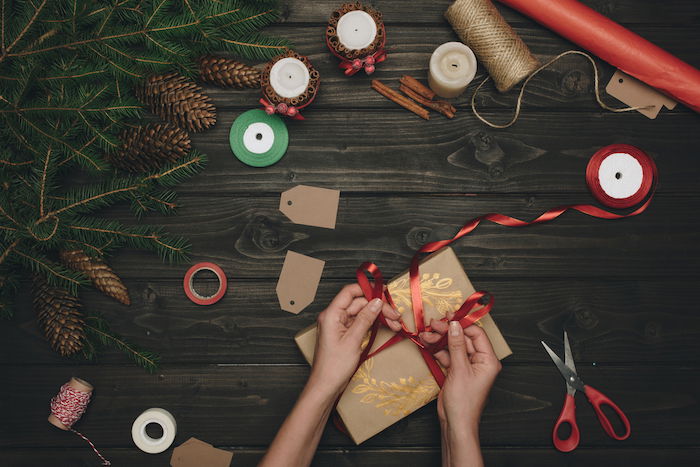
pixel 506 57
pixel 69 405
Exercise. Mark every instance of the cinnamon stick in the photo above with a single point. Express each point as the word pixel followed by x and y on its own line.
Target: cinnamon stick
pixel 439 106
pixel 417 86
pixel 397 98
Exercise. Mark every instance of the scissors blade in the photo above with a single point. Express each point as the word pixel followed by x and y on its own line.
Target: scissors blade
pixel 569 375
pixel 569 361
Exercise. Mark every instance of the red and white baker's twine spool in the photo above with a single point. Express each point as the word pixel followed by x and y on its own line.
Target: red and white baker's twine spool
pixel 68 406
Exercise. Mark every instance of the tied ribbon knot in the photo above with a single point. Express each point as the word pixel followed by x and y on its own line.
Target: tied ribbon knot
pixel 350 67
pixel 281 108
pixel 470 312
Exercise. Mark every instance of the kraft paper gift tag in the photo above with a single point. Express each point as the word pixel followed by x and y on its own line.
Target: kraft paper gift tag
pixel 298 282
pixel 196 453
pixel 634 93
pixel 310 205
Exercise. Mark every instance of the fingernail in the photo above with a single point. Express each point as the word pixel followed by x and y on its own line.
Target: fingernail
pixel 375 305
pixel 455 328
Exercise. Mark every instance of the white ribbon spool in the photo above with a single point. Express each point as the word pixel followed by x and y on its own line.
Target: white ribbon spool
pixel 258 138
pixel 620 175
pixel 151 445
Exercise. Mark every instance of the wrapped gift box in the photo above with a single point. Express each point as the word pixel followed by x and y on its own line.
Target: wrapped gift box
pixel 396 381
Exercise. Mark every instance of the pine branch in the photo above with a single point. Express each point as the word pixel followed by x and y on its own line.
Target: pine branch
pixel 99 329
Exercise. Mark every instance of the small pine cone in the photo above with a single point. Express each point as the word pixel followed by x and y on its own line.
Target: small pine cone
pixel 150 146
pixel 178 100
pixel 59 317
pixel 102 276
pixel 228 73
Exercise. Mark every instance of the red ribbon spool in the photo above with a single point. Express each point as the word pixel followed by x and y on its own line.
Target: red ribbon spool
pixel 187 283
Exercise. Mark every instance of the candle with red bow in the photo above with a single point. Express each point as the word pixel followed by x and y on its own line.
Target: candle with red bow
pixel 356 35
pixel 289 83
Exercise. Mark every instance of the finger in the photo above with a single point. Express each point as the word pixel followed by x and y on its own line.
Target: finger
pixel 443 358
pixel 393 325
pixel 470 346
pixel 457 346
pixel 439 326
pixel 356 305
pixel 390 313
pixel 364 320
pixel 480 340
pixel 345 297
pixel 429 337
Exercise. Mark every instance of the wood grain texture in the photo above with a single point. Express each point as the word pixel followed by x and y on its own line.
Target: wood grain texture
pixel 248 237
pixel 349 457
pixel 610 322
pixel 625 290
pixel 243 405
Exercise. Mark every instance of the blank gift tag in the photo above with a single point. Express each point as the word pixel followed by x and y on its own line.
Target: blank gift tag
pixel 298 282
pixel 634 93
pixel 309 205
pixel 196 453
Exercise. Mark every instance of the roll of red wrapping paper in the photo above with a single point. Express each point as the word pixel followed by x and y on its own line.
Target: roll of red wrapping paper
pixel 616 45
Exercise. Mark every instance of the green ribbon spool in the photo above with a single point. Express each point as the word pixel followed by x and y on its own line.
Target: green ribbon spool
pixel 258 139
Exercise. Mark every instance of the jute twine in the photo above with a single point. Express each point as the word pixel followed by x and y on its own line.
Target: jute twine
pixel 506 57
pixel 596 85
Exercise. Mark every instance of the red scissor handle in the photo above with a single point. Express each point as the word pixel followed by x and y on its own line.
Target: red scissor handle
pixel 567 415
pixel 598 400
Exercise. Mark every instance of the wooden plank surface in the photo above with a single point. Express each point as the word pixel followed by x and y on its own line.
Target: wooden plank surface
pixel 625 290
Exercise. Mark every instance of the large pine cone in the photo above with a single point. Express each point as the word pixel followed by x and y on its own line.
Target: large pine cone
pixel 102 276
pixel 228 73
pixel 150 146
pixel 59 317
pixel 178 100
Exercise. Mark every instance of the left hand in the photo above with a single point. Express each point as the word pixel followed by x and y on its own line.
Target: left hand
pixel 341 328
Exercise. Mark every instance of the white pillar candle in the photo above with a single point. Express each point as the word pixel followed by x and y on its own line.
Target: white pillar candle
pixel 356 30
pixel 452 68
pixel 289 77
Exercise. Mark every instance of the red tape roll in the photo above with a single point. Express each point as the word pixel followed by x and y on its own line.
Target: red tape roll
pixel 193 295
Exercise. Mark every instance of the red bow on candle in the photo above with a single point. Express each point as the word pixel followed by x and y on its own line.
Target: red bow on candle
pixel 281 108
pixel 350 67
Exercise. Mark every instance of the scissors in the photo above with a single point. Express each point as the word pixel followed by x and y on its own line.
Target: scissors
pixel 568 412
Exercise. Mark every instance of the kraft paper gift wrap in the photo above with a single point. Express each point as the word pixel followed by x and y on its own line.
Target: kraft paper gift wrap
pixel 396 382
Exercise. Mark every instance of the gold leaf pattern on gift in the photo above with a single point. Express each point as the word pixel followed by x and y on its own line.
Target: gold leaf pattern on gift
pixel 436 293
pixel 396 399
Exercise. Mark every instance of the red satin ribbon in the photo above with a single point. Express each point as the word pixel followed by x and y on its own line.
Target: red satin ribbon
pixel 350 67
pixel 464 314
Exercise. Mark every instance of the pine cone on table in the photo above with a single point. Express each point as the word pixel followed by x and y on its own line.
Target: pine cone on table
pixel 60 317
pixel 177 100
pixel 150 146
pixel 102 276
pixel 226 72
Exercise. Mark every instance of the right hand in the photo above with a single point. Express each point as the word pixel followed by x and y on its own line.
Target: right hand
pixel 472 368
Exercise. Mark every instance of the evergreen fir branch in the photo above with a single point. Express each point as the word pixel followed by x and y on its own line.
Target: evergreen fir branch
pixel 37 11
pixel 175 173
pixel 92 197
pixel 8 291
pixel 97 328
pixel 56 274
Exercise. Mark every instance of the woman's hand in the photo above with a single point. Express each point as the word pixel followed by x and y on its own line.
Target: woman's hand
pixel 472 368
pixel 341 328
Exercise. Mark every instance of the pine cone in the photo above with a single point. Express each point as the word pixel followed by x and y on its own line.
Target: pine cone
pixel 102 276
pixel 228 73
pixel 60 317
pixel 150 146
pixel 178 100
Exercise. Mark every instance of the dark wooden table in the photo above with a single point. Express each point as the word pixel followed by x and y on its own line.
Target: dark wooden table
pixel 625 290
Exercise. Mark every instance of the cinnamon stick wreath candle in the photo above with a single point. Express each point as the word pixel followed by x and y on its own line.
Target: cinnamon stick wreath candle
pixel 289 83
pixel 355 34
pixel 506 57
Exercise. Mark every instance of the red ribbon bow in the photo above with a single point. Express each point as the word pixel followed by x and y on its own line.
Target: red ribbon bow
pixel 281 108
pixel 350 67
